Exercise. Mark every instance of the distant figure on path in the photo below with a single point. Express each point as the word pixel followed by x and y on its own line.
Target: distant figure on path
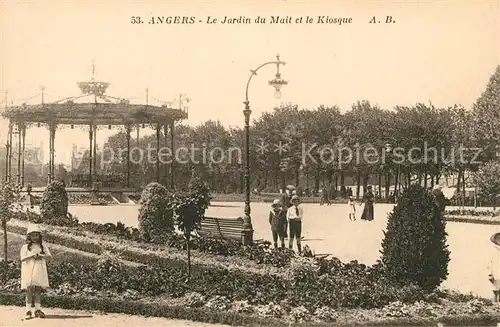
pixel 368 210
pixel 352 208
pixel 294 216
pixel 277 220
pixel 494 276
pixel 34 276
pixel 439 197
pixel 324 197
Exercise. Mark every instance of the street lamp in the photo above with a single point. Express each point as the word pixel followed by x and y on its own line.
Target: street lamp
pixel 277 83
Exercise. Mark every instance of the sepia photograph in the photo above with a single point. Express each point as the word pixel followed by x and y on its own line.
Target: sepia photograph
pixel 249 163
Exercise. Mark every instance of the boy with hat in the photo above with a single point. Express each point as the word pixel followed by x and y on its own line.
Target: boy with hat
pixel 294 216
pixel 277 220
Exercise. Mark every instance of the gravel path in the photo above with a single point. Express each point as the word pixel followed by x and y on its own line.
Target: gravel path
pixel 12 317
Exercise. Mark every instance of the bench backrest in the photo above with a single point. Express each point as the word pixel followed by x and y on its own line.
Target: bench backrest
pixel 227 228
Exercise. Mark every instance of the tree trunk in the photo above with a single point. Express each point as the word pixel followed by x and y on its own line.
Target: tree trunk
pixel 380 184
pixel 297 177
pixel 358 184
pixel 396 180
pixel 459 184
pixel 342 178
pixel 316 182
pixel 432 181
pixel 463 188
pixel 425 180
pixel 388 184
pixel 336 183
pixel 188 248
pixel 5 242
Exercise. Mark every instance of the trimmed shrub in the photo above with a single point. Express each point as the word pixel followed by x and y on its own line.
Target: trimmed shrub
pixel 156 217
pixel 54 203
pixel 414 248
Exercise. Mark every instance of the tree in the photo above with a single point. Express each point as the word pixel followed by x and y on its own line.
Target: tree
pixel 189 209
pixel 488 181
pixel 487 113
pixel 414 248
pixel 9 203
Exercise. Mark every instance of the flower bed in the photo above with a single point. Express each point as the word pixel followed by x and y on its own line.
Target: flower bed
pixel 195 307
pixel 473 213
pixel 149 254
pixel 87 198
pixel 268 198
pixel 260 254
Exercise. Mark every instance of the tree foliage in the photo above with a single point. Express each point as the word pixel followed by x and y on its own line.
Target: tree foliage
pixel 9 203
pixel 414 248
pixel 487 111
pixel 488 180
pixel 434 135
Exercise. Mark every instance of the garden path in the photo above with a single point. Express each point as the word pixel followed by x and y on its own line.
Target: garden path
pixel 11 316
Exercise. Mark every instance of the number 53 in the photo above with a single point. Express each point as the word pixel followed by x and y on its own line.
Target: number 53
pixel 136 20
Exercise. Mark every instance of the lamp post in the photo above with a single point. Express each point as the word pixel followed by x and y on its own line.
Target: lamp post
pixel 277 83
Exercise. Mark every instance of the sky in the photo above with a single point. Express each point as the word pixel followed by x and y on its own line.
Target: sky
pixel 438 51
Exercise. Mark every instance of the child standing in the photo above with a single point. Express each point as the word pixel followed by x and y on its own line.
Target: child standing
pixel 352 208
pixel 34 277
pixel 494 276
pixel 277 220
pixel 294 216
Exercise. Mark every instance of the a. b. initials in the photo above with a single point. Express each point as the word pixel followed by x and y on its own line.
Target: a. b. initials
pixel 388 20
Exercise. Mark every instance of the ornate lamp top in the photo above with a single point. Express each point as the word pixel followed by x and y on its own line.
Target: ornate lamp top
pixel 93 87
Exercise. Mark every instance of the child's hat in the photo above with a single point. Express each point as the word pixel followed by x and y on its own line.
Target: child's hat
pixel 495 238
pixel 295 197
pixel 276 203
pixel 33 228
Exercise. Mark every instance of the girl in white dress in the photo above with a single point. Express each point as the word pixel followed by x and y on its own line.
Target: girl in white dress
pixel 34 277
pixel 352 208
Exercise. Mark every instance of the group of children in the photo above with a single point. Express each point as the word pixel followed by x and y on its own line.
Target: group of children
pixel 286 222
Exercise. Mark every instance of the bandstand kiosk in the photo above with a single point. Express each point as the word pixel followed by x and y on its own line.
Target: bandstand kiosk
pixel 91 110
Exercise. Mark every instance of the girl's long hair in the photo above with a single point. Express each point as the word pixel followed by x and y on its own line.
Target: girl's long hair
pixel 30 242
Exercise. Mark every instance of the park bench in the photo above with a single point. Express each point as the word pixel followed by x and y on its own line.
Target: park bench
pixel 225 228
